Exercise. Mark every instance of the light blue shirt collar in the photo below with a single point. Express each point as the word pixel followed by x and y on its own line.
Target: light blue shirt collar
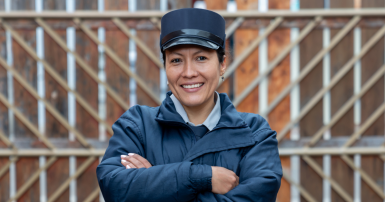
pixel 210 122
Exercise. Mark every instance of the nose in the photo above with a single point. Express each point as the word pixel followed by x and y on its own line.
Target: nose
pixel 189 70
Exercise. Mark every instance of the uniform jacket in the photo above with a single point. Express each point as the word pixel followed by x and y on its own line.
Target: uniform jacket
pixel 181 171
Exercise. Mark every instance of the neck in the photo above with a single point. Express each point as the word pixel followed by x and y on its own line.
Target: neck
pixel 198 114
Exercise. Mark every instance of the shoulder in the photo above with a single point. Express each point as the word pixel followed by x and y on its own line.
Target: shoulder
pixel 139 113
pixel 258 125
pixel 136 120
pixel 255 121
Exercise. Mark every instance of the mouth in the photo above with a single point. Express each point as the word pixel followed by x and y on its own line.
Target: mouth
pixel 190 86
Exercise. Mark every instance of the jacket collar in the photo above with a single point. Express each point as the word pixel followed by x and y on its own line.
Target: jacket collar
pixel 211 120
pixel 237 133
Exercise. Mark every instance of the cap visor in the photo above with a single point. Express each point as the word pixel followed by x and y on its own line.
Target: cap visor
pixel 194 41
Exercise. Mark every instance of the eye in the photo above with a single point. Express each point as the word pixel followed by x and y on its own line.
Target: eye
pixel 176 60
pixel 201 58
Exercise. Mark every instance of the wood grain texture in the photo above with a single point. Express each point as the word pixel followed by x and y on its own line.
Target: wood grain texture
pixel 4 125
pixel 54 5
pixel 312 83
pixel 22 4
pixel 25 167
pixel 148 5
pixel 4 181
pixel 280 76
pixel 369 103
pixel 87 180
pixel 146 68
pixel 117 79
pixel 374 167
pixel 176 4
pixel 344 89
pixel 372 99
pixel 284 191
pixel 311 180
pixel 27 106
pixel 343 175
pixel 56 175
pixel 26 66
pixel 248 69
pixel 116 5
pixel 216 4
pixel 86 5
pixel 54 93
pixel 279 5
pixel 342 4
pixel 57 96
pixel 311 4
pixel 372 3
pixel 247 4
pixel 86 86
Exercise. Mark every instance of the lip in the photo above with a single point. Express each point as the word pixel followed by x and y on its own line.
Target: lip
pixel 191 90
pixel 191 83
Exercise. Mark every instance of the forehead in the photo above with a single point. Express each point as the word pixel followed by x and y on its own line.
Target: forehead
pixel 188 47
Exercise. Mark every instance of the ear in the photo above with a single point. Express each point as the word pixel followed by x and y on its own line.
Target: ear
pixel 223 66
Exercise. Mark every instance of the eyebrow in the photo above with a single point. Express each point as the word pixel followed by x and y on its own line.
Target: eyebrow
pixel 176 53
pixel 199 52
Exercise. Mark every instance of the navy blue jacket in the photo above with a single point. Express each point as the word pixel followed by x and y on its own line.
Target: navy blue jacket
pixel 181 171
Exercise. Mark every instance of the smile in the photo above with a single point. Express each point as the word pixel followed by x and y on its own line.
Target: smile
pixel 197 85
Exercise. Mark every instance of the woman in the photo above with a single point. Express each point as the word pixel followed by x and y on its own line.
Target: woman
pixel 195 146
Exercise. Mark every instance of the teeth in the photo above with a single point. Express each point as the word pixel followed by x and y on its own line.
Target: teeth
pixel 193 85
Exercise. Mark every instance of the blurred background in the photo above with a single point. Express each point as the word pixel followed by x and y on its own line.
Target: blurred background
pixel 313 68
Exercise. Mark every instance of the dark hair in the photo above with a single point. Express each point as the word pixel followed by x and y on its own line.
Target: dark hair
pixel 220 53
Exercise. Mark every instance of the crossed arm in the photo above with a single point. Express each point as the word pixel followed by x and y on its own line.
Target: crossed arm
pixel 222 181
pixel 259 178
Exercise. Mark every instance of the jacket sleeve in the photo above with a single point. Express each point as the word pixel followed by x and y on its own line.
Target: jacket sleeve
pixel 260 173
pixel 171 182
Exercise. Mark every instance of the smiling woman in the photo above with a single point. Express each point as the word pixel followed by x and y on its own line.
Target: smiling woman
pixel 193 73
pixel 195 146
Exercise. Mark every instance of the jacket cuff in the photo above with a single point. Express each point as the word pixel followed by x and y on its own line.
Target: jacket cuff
pixel 200 177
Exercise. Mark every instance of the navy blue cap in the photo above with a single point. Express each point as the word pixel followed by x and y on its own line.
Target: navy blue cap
pixel 192 26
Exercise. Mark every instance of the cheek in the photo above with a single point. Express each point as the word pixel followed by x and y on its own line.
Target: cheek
pixel 172 76
pixel 212 74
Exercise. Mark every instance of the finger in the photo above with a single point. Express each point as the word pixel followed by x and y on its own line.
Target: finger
pixel 135 161
pixel 237 181
pixel 141 159
pixel 127 164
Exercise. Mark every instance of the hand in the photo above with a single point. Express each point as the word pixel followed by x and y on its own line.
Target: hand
pixel 134 161
pixel 223 180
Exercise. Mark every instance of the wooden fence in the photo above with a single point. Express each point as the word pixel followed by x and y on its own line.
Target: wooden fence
pixel 69 69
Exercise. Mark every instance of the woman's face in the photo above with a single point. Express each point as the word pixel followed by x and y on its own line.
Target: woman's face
pixel 193 73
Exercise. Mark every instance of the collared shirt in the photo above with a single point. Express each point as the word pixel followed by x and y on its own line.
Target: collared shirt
pixel 210 122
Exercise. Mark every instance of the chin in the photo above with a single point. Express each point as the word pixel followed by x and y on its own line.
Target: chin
pixel 192 101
